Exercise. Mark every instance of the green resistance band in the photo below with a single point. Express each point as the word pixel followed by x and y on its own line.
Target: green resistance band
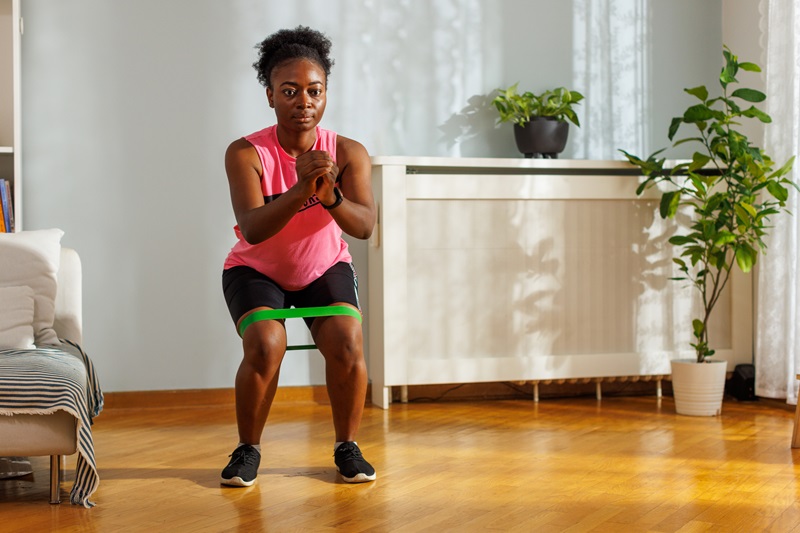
pixel 298 312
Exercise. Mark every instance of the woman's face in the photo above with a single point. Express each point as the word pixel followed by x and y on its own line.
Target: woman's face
pixel 298 94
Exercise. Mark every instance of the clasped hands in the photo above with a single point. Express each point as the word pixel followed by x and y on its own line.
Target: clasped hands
pixel 316 174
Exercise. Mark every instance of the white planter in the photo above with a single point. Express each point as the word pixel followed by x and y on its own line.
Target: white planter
pixel 698 388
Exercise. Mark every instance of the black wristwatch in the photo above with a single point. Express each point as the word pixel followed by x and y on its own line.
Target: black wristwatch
pixel 339 199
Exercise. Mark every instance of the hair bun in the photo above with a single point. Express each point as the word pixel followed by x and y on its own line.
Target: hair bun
pixel 285 45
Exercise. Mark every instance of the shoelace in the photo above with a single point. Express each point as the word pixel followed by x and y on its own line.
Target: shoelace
pixel 241 456
pixel 347 452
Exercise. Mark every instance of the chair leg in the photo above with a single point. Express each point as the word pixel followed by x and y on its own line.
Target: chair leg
pixel 55 479
pixel 796 432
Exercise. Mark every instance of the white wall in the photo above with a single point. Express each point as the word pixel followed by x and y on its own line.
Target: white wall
pixel 743 32
pixel 128 108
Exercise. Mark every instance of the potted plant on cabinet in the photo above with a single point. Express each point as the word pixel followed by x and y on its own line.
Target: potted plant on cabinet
pixel 730 190
pixel 540 121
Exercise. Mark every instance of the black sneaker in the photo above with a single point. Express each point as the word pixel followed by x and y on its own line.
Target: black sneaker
pixel 351 465
pixel 243 468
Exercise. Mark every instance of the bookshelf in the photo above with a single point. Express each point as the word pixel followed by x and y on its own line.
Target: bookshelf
pixel 10 131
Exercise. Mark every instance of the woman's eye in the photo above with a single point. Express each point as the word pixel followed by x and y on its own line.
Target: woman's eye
pixel 315 92
pixel 289 92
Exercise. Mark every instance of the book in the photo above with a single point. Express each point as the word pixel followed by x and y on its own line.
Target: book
pixel 9 213
pixel 4 228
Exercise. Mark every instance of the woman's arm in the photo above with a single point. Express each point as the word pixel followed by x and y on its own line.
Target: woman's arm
pixel 259 221
pixel 356 214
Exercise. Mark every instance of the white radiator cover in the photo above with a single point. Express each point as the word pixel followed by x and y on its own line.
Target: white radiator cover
pixel 529 270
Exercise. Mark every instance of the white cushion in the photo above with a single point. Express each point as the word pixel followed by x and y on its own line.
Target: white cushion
pixel 16 318
pixel 32 258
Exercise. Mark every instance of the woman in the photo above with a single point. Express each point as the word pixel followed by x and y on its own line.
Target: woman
pixel 294 188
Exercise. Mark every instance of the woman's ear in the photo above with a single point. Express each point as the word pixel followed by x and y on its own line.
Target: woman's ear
pixel 269 98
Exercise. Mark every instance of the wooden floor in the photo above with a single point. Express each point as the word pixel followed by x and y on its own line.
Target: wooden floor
pixel 624 464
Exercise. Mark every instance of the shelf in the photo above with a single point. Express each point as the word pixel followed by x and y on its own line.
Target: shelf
pixel 6 150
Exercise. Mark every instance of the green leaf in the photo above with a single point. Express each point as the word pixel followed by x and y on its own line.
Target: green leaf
pixel 680 240
pixel 572 117
pixel 632 158
pixel 728 55
pixel 575 96
pixel 766 213
pixel 749 95
pixel 778 191
pixel 700 92
pixel 724 237
pixel 714 202
pixel 698 161
pixel 753 112
pixel 642 186
pixel 673 127
pixel 742 214
pixel 745 258
pixel 750 67
pixel 708 230
pixel 698 327
pixel 749 208
pixel 686 140
pixel 784 169
pixel 698 183
pixel 713 261
pixel 669 204
pixel 727 76
pixel 679 169
pixel 697 113
pixel 734 108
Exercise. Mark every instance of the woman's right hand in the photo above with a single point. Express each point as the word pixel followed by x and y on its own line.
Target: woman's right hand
pixel 257 220
pixel 311 168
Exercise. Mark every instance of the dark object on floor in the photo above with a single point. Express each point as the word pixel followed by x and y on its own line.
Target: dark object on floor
pixel 14 467
pixel 742 384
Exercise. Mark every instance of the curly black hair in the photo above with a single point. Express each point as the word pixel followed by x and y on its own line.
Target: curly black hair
pixel 284 45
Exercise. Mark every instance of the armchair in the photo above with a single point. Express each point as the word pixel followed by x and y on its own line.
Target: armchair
pixel 51 430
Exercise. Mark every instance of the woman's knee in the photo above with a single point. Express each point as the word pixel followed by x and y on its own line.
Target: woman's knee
pixel 343 346
pixel 264 347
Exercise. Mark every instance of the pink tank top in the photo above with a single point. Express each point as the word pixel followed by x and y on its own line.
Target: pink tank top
pixel 311 242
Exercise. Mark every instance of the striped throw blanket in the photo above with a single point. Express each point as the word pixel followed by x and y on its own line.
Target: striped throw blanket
pixel 56 378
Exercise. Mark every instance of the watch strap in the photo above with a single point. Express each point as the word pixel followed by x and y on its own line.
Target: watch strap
pixel 339 199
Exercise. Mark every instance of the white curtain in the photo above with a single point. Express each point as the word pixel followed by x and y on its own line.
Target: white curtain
pixel 611 57
pixel 402 67
pixel 777 340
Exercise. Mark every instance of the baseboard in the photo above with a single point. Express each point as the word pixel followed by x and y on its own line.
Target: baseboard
pixel 418 393
pixel 551 389
pixel 204 397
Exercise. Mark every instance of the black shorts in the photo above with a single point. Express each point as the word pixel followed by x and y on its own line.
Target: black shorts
pixel 246 289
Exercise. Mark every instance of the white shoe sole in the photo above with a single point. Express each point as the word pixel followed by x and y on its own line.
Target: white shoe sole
pixel 236 481
pixel 359 478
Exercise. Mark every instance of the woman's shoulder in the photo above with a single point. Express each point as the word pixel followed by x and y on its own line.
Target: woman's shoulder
pixel 348 149
pixel 240 144
pixel 262 136
pixel 241 151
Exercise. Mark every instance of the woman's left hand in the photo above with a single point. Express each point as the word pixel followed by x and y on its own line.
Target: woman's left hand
pixel 325 185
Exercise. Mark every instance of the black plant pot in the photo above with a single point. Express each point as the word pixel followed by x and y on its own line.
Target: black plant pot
pixel 542 137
